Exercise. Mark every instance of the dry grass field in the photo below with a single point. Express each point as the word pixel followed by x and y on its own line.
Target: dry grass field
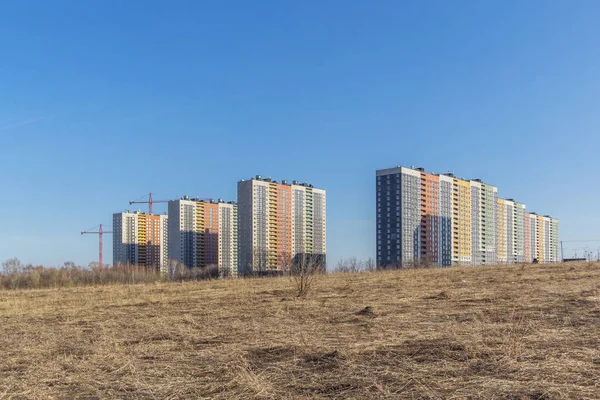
pixel 509 332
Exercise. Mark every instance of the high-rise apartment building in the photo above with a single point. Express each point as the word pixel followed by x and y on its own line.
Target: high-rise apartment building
pixel 540 238
pixel 515 238
pixel 502 230
pixel 462 253
pixel 446 242
pixel 140 239
pixel 439 219
pixel 483 222
pixel 542 229
pixel 398 216
pixel 278 222
pixel 512 246
pixel 204 234
pixel 555 256
pixel 530 237
pixel 414 217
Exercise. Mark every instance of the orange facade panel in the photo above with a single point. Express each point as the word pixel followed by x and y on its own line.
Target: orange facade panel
pixel 429 217
pixel 283 245
pixel 210 230
pixel 149 251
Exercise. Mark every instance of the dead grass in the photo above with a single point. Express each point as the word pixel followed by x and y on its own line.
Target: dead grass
pixel 461 333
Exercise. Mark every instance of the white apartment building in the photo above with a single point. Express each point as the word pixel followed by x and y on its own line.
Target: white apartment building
pixel 140 239
pixel 204 234
pixel 278 222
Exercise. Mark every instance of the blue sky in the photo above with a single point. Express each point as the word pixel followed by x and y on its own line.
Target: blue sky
pixel 103 101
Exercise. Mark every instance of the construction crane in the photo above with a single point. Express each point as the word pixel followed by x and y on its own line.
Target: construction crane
pixel 150 201
pixel 99 232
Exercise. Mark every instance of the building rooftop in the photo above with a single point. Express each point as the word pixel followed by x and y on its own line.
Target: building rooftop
pixel 283 181
pixel 421 169
pixel 206 200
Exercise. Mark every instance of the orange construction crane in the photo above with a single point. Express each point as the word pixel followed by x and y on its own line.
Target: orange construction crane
pixel 149 202
pixel 99 232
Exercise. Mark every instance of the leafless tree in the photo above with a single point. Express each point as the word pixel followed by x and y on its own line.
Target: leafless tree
pixel 211 271
pixel 304 270
pixel 69 264
pixel 259 264
pixel 341 266
pixel 199 273
pixel 424 262
pixel 94 265
pixel 223 272
pixel 354 264
pixel 285 263
pixel 176 269
pixel 12 266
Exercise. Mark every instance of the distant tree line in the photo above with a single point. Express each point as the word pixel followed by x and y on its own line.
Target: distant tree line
pixel 16 275
pixel 353 265
pixel 303 269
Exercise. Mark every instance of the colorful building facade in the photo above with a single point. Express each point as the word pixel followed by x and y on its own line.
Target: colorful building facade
pixel 204 234
pixel 140 239
pixel 462 221
pixel 279 222
pixel 438 219
pixel 502 232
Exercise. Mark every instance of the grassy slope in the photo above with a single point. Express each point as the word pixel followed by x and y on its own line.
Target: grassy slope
pixel 479 333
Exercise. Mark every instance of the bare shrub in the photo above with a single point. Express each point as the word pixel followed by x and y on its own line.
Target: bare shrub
pixel 175 269
pixel 369 265
pixel 195 274
pixel 260 264
pixel 353 265
pixel 348 265
pixel 18 276
pixel 11 266
pixel 304 270
pixel 341 266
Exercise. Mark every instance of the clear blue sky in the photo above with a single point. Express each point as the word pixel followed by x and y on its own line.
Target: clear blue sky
pixel 103 101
